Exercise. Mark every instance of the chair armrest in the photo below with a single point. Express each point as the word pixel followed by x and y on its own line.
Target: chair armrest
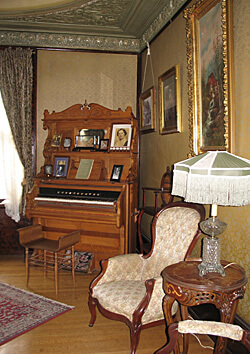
pixel 161 190
pixel 69 240
pixel 152 189
pixel 154 309
pixel 212 328
pixel 123 267
pixel 30 233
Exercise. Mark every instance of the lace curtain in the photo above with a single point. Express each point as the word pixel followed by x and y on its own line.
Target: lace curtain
pixel 16 82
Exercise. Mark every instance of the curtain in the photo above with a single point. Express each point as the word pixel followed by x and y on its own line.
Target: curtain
pixel 16 83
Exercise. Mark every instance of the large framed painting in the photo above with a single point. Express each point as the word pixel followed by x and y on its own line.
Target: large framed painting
pixel 147 111
pixel 169 101
pixel 210 75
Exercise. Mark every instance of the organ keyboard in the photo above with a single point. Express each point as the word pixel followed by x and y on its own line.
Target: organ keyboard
pixel 103 209
pixel 86 196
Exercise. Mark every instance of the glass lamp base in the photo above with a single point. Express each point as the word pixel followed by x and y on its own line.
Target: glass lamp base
pixel 211 257
pixel 205 268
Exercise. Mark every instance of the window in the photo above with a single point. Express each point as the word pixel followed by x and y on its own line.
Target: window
pixel 11 168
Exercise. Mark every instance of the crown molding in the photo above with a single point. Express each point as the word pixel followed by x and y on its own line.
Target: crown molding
pixel 31 30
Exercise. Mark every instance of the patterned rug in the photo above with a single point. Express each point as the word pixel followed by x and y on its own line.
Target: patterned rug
pixel 21 311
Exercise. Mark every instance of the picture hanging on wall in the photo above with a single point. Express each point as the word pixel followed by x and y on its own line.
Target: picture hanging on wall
pixel 209 34
pixel 169 101
pixel 147 111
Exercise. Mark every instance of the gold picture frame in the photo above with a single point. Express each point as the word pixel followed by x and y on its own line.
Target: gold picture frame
pixel 209 33
pixel 56 140
pixel 170 101
pixel 147 111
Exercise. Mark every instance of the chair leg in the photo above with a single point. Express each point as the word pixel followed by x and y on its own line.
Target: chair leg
pixel 135 332
pixel 92 309
pixel 73 263
pixel 56 272
pixel 27 265
pixel 173 340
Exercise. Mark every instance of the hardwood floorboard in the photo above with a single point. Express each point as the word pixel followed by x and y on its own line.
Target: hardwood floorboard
pixel 70 333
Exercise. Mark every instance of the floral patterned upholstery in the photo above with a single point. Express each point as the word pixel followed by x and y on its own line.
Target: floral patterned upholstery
pixel 219 329
pixel 212 328
pixel 129 288
pixel 122 286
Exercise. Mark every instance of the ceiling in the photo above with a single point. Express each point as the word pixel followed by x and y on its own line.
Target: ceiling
pixel 110 25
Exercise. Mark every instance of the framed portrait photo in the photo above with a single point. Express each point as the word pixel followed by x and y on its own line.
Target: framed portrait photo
pixel 121 137
pixel 116 173
pixel 56 140
pixel 147 111
pixel 209 32
pixel 61 166
pixel 169 101
pixel 104 144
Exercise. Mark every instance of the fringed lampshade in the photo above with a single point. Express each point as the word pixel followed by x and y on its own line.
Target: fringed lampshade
pixel 217 178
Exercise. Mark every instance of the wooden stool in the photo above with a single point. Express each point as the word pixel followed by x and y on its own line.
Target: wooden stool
pixel 48 253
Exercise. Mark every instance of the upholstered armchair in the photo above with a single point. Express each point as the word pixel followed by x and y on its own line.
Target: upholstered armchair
pixel 221 329
pixel 129 287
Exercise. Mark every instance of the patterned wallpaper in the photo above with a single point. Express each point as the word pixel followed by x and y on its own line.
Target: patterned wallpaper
pixel 157 151
pixel 67 78
pixel 236 239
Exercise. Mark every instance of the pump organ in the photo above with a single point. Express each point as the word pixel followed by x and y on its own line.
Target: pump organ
pixel 104 210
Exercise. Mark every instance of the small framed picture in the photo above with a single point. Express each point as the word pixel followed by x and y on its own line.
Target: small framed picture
pixel 147 111
pixel 61 166
pixel 67 143
pixel 104 144
pixel 121 137
pixel 85 141
pixel 56 140
pixel 169 101
pixel 116 173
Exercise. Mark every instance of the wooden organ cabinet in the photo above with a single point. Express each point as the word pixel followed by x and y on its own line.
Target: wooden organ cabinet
pixel 102 205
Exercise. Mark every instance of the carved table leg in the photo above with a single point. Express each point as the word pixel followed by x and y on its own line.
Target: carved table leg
pixel 227 313
pixel 184 316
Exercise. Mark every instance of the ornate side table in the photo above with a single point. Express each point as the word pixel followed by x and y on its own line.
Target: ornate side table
pixel 182 282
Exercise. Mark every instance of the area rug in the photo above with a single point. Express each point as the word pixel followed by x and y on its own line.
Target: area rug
pixel 21 311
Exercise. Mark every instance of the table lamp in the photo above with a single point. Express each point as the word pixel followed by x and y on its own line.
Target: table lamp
pixel 216 178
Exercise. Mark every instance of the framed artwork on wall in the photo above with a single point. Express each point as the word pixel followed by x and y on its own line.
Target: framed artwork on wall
pixel 147 111
pixel 169 101
pixel 210 75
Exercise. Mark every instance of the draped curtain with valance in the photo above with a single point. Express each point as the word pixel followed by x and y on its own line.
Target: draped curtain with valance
pixel 16 83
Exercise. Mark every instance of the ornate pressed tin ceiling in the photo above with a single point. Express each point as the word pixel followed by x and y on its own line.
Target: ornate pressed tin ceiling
pixel 111 25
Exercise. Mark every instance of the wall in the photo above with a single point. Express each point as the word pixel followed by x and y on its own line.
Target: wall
pixel 66 78
pixel 157 151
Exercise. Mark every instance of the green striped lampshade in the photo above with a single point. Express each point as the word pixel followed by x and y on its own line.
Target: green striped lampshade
pixel 216 177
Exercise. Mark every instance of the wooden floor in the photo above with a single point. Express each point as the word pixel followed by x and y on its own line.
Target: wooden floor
pixel 70 333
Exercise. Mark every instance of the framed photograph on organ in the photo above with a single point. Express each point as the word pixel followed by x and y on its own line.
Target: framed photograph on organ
pixel 56 140
pixel 104 144
pixel 121 137
pixel 209 32
pixel 61 166
pixel 116 173
pixel 170 101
